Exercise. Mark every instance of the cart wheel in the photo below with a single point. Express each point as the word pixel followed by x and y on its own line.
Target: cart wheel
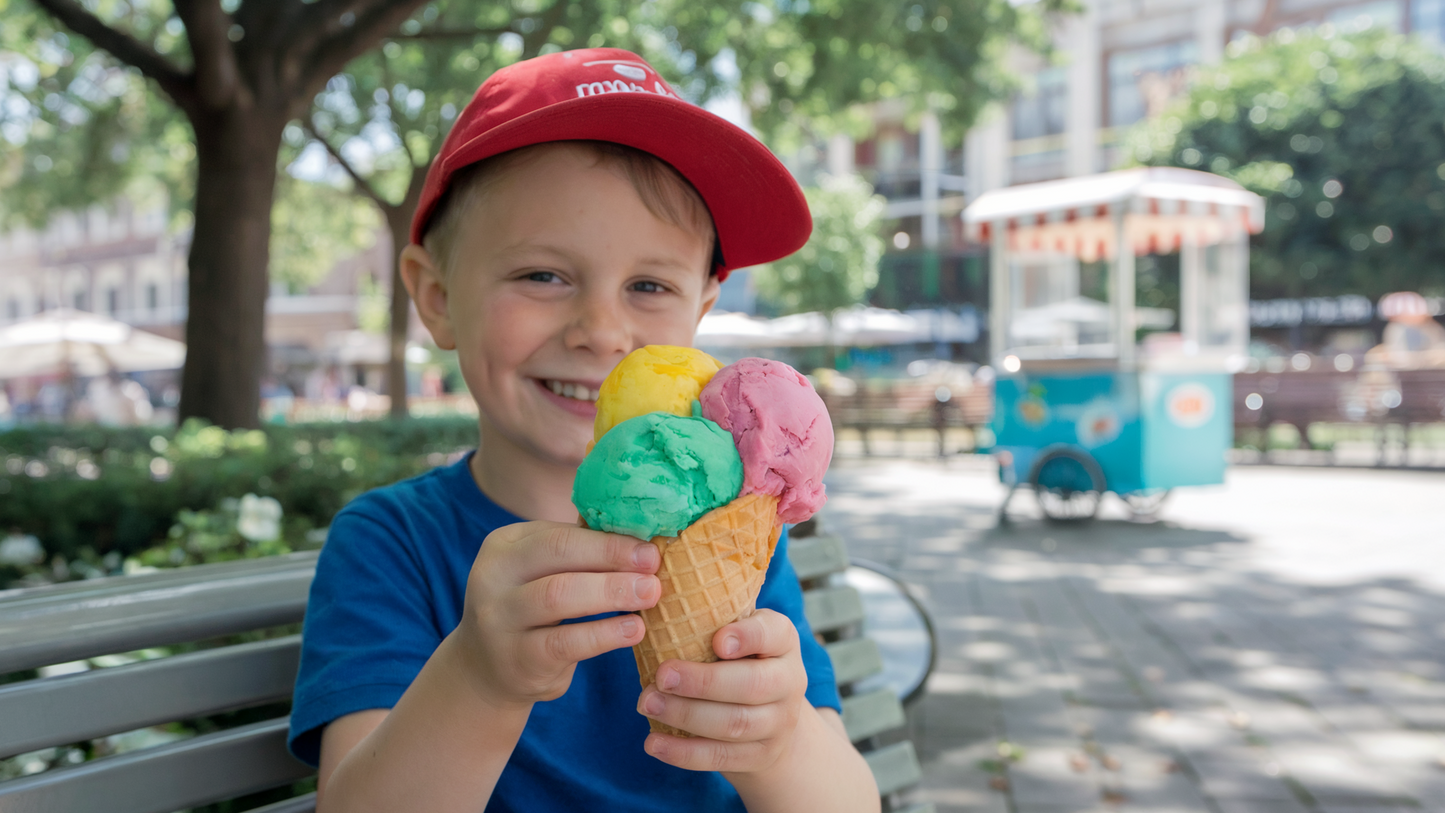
pixel 1068 483
pixel 1146 503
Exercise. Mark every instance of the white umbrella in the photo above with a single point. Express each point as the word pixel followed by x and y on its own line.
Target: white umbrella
pixel 84 344
pixel 866 327
pixel 726 329
pixel 800 330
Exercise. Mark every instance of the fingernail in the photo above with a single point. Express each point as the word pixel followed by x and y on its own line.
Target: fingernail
pixel 729 647
pixel 668 679
pixel 652 745
pixel 642 588
pixel 629 626
pixel 653 704
pixel 644 556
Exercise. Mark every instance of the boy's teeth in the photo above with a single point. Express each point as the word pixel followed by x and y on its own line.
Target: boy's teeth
pixel 578 392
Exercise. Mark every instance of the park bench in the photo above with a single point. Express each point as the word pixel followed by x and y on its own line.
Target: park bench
pixel 1295 397
pixel 904 406
pixel 213 603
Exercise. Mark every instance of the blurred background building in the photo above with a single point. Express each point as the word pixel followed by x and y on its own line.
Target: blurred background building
pixel 126 262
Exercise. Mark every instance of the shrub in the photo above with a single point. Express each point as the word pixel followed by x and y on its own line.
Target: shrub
pixel 93 497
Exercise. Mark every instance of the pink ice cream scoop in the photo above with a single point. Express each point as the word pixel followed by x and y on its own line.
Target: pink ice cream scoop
pixel 781 429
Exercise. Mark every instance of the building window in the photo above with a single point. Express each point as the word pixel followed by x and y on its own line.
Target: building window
pixel 112 300
pixel 77 301
pixel 1381 14
pixel 1143 80
pixel 12 309
pixel 1042 112
pixel 153 296
pixel 1427 19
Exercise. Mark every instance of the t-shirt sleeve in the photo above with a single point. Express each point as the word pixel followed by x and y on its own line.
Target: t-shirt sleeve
pixel 369 628
pixel 782 593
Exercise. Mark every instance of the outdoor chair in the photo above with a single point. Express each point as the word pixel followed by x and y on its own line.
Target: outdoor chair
pixel 82 620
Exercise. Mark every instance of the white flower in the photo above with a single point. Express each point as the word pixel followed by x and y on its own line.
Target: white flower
pixel 21 550
pixel 259 518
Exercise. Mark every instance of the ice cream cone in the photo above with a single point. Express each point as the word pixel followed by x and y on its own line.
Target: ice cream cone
pixel 711 574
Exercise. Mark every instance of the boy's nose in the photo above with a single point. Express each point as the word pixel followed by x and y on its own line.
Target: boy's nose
pixel 599 326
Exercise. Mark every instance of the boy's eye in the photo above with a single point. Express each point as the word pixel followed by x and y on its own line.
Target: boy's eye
pixel 648 287
pixel 541 276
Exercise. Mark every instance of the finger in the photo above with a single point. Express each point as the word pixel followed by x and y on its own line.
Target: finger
pixel 558 548
pixel 750 681
pixel 553 648
pixel 697 754
pixel 561 596
pixel 764 633
pixel 727 722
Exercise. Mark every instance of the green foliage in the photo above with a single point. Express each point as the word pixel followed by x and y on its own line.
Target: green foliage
pixel 314 226
pixel 94 496
pixel 839 264
pixel 77 128
pixel 1345 138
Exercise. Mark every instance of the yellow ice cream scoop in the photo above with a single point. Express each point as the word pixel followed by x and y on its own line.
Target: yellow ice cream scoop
pixel 655 378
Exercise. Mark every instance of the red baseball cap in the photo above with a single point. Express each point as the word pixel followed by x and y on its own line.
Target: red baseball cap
pixel 607 94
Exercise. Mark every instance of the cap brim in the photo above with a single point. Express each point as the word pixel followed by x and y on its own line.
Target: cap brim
pixel 758 209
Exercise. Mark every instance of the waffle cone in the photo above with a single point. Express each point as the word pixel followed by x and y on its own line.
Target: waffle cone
pixel 711 574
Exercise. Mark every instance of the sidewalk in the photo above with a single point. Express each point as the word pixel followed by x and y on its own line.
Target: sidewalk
pixel 1276 644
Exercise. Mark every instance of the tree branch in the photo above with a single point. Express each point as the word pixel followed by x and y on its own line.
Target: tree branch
pixel 175 82
pixel 551 18
pixel 337 31
pixel 362 184
pixel 218 76
pixel 448 34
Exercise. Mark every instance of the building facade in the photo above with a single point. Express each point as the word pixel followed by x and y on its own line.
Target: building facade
pixel 1115 63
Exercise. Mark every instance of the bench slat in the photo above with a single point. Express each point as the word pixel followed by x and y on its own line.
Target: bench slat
pixel 926 807
pixel 817 556
pixel 867 715
pixel 307 804
pixel 74 621
pixel 54 711
pixel 832 608
pixel 170 777
pixel 894 767
pixel 854 659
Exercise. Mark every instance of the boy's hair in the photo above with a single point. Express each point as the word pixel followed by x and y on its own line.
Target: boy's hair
pixel 669 196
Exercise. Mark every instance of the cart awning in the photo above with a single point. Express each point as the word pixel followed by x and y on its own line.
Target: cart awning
pixel 1161 207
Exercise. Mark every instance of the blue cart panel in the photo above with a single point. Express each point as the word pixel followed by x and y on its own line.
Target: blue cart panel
pixel 1145 430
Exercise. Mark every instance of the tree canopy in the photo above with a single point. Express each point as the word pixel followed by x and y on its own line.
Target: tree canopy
pixel 839 264
pixel 194 96
pixel 1344 135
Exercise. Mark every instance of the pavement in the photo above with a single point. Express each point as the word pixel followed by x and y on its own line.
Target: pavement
pixel 1275 644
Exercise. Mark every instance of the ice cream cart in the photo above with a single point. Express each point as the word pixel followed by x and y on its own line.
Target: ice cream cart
pixel 1093 393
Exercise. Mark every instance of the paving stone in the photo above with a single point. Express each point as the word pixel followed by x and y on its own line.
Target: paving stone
pixel 1237 779
pixel 1249 632
pixel 1045 778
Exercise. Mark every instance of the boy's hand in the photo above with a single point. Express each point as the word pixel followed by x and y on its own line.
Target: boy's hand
pixel 531 576
pixel 743 709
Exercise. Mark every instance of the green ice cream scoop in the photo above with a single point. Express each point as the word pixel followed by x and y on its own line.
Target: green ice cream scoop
pixel 656 474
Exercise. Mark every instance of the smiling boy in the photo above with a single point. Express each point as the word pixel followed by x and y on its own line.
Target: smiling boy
pixel 466 644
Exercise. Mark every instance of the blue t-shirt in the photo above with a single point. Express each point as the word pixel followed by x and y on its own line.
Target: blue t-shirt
pixel 389 587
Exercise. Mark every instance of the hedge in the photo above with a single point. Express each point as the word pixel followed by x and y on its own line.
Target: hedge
pixel 93 500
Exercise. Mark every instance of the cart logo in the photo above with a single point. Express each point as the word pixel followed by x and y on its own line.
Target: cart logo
pixel 1033 411
pixel 1098 425
pixel 1189 405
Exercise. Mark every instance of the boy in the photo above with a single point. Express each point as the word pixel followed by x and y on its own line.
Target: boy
pixel 577 211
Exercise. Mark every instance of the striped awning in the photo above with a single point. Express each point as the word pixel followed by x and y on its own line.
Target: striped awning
pixel 1161 208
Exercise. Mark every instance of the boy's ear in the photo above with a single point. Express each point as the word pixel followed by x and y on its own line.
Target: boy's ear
pixel 710 292
pixel 428 288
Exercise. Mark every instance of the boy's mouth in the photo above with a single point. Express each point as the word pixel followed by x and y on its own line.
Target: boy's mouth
pixel 570 389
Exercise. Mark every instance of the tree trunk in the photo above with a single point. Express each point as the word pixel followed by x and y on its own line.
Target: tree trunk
pixel 398 221
pixel 236 152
